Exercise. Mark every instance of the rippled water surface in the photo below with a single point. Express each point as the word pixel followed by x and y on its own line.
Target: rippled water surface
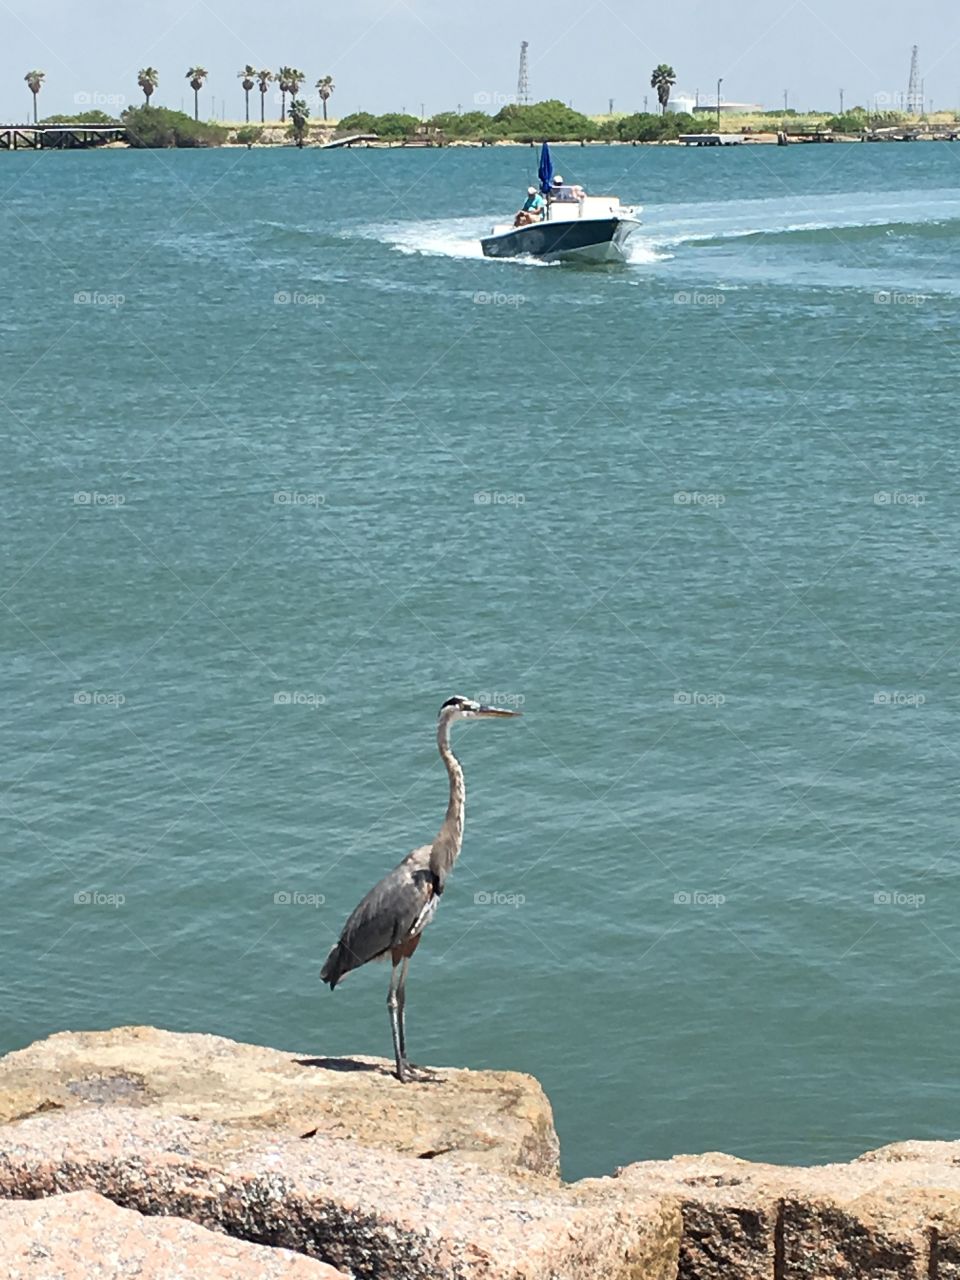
pixel 286 463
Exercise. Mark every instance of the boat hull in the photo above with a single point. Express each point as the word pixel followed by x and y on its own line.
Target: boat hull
pixel 577 240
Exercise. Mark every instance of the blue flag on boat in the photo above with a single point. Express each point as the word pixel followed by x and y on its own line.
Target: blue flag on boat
pixel 545 172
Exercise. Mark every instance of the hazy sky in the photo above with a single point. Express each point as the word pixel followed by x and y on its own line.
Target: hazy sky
pixel 388 54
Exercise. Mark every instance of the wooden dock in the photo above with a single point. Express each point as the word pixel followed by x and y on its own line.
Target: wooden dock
pixel 355 139
pixel 58 137
pixel 711 139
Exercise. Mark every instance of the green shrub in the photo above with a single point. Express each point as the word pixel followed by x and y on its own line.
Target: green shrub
pixel 552 120
pixel 85 117
pixel 471 124
pixel 849 122
pixel 359 122
pixel 249 134
pixel 160 127
pixel 645 126
pixel 395 125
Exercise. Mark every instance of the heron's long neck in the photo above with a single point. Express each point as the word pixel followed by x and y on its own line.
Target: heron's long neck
pixel 446 847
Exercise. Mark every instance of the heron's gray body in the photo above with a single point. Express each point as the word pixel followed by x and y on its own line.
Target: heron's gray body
pixel 393 915
pixel 396 910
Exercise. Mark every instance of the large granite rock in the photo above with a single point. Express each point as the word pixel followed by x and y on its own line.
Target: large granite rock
pixel 452 1179
pixel 378 1215
pixel 82 1236
pixel 499 1119
pixel 892 1214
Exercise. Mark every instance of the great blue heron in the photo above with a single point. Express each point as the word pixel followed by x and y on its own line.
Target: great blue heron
pixel 393 915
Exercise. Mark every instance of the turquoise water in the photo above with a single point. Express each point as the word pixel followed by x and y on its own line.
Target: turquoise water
pixel 697 515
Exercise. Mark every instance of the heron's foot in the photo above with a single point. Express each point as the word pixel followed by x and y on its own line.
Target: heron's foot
pixel 410 1072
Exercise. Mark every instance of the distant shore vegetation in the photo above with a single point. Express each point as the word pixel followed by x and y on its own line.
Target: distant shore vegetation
pixel 155 126
pixel 159 127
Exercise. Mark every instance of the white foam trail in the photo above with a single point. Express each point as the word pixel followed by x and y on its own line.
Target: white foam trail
pixel 667 227
pixel 447 238
pixel 460 238
pixel 677 224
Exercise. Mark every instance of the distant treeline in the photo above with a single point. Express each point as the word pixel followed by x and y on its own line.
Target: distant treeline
pixel 160 127
pixel 552 119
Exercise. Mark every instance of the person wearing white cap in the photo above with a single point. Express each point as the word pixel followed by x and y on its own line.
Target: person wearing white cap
pixel 532 209
pixel 560 191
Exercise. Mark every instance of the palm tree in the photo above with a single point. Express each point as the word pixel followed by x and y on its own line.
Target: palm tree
pixel 325 88
pixel 34 81
pixel 247 77
pixel 196 76
pixel 264 78
pixel 663 79
pixel 289 79
pixel 148 79
pixel 284 85
pixel 299 111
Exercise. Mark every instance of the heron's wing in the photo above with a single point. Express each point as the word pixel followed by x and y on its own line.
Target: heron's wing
pixel 384 918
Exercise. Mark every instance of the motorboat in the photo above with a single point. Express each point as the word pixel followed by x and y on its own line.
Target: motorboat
pixel 575 227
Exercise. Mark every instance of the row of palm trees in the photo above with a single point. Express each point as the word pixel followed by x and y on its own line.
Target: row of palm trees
pixel 288 80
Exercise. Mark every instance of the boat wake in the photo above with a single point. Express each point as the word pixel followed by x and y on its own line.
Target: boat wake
pixel 460 238
pixel 667 229
pixel 852 214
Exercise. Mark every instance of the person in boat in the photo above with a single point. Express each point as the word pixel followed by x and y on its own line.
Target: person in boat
pixel 561 191
pixel 532 209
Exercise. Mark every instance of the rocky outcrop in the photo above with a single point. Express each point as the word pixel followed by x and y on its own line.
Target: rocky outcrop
pixel 72 1237
pixel 893 1214
pixel 378 1215
pixel 499 1119
pixel 454 1178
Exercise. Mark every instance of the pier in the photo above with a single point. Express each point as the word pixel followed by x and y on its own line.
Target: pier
pixel 58 137
pixel 355 139
pixel 712 139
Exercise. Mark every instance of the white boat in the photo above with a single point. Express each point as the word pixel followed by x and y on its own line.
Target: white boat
pixel 594 229
pixel 575 227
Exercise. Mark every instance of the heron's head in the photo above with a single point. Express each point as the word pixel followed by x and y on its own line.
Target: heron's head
pixel 458 708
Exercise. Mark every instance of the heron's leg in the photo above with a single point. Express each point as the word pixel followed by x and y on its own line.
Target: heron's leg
pixel 401 1004
pixel 411 1070
pixel 393 1005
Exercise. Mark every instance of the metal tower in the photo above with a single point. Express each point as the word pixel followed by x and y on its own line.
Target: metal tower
pixel 523 85
pixel 914 92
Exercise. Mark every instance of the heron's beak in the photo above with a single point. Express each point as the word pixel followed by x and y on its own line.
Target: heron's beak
pixel 496 712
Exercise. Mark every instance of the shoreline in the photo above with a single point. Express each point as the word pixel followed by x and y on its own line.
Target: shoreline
pixel 455 1177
